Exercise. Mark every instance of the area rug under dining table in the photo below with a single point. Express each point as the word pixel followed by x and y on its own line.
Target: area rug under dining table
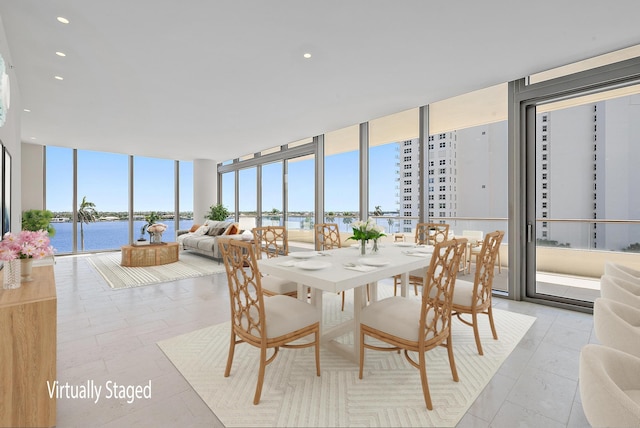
pixel 390 393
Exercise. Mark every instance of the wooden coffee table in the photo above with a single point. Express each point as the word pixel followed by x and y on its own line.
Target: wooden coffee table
pixel 149 255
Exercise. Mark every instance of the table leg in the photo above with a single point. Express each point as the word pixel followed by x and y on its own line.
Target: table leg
pixel 404 284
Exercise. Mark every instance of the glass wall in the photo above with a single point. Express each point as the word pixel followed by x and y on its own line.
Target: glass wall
pixel 272 203
pixel 59 199
pixel 342 177
pixel 248 202
pixel 186 195
pixel 153 192
pixel 103 185
pixel 301 185
pixel 467 167
pixel 228 187
pixel 394 173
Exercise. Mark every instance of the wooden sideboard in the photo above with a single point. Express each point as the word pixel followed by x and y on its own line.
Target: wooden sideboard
pixel 150 255
pixel 28 351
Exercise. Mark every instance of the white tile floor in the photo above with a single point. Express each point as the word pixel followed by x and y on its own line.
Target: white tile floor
pixel 110 335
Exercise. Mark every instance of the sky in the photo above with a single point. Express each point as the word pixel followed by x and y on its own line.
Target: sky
pixel 102 178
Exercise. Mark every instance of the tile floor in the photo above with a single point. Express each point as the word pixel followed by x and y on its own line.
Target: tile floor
pixel 110 335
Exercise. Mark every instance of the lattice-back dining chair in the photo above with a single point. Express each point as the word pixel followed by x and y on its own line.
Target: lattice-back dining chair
pixel 327 236
pixel 431 233
pixel 273 242
pixel 473 298
pixel 426 234
pixel 418 326
pixel 264 323
pixel 475 247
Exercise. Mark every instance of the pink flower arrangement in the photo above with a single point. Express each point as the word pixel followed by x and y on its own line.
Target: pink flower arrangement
pixel 157 228
pixel 25 245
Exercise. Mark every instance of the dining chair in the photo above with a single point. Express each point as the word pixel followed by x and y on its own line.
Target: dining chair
pixel 426 234
pixel 475 238
pixel 474 252
pixel 418 326
pixel 273 242
pixel 617 325
pixel 474 298
pixel 609 382
pixel 264 323
pixel 328 238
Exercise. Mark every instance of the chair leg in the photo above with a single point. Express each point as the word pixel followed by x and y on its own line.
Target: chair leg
pixel 343 299
pixel 361 353
pixel 499 264
pixel 493 327
pixel 452 361
pixel 317 346
pixel 395 285
pixel 263 363
pixel 232 347
pixel 476 333
pixel 423 380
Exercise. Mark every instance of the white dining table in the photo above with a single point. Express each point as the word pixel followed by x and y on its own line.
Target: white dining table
pixel 334 271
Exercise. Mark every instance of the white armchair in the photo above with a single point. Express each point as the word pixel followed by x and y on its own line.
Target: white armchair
pixel 617 325
pixel 620 290
pixel 609 386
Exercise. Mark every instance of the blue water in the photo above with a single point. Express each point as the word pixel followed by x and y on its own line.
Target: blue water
pixel 107 235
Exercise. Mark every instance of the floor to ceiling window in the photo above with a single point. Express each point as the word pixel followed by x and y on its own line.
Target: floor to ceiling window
pixel 582 210
pixel 228 187
pixel 59 199
pixel 394 173
pixel 272 205
pixel 103 185
pixel 247 199
pixel 185 201
pixel 154 192
pixel 341 177
pixel 301 186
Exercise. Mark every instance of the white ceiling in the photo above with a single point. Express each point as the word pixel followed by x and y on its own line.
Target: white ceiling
pixel 220 79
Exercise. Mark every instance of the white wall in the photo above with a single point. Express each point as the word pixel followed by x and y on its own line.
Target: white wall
pixel 10 133
pixel 32 176
pixel 205 185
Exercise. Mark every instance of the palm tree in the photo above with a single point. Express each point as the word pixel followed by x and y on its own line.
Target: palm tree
pixel 378 211
pixel 347 218
pixel 86 214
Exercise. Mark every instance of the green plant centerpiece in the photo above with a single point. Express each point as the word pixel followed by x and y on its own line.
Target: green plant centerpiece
pixel 217 212
pixel 35 220
pixel 364 231
pixel 151 218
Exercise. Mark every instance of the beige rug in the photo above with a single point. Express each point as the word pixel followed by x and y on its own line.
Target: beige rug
pixel 389 394
pixel 189 266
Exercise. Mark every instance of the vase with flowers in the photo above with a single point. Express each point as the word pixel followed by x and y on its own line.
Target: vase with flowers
pixel 18 252
pixel 155 232
pixel 364 231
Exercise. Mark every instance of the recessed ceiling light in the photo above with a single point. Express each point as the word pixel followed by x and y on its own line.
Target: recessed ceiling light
pixel 58 77
pixel 307 55
pixel 61 54
pixel 63 20
pixel 27 110
pixel 33 138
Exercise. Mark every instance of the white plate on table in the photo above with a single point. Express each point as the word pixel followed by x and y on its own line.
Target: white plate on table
pixel 303 254
pixel 313 265
pixel 373 261
pixel 425 249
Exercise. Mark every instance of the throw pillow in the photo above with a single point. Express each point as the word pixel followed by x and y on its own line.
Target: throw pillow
pixel 216 231
pixel 194 228
pixel 232 230
pixel 202 230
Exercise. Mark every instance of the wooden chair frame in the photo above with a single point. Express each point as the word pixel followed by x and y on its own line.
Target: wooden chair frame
pixel 248 320
pixel 272 241
pixel 327 236
pixel 424 237
pixel 482 287
pixel 435 315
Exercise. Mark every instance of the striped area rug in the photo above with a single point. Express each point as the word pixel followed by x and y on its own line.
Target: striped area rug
pixel 390 393
pixel 189 266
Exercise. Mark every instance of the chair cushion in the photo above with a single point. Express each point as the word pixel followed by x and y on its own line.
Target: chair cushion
pixel 397 316
pixel 617 325
pixel 463 293
pixel 278 285
pixel 285 314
